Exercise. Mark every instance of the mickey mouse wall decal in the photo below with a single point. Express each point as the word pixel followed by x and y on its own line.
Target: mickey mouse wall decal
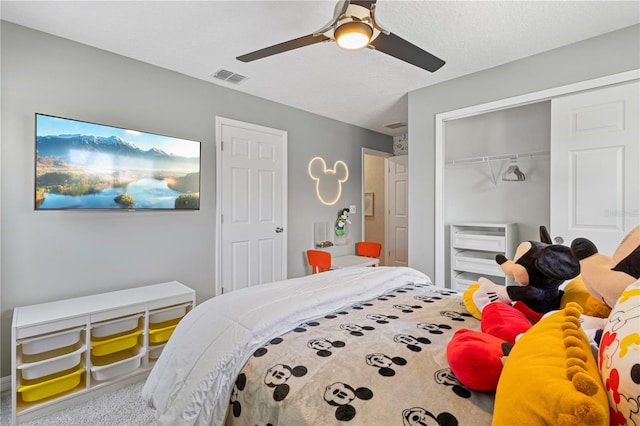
pixel 328 181
pixel 342 221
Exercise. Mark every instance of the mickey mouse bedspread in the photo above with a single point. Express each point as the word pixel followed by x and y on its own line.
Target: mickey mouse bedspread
pixel 367 347
pixel 379 362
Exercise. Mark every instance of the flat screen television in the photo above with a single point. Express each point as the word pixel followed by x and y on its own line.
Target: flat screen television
pixel 81 165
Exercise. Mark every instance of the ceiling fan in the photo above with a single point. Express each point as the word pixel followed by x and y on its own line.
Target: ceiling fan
pixel 352 27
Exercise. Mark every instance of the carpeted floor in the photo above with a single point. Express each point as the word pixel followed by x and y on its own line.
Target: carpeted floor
pixel 123 407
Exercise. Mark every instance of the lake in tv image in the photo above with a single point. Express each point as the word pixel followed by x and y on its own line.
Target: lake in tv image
pixel 82 165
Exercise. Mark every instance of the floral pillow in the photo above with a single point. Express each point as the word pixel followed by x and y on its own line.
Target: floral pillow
pixel 619 358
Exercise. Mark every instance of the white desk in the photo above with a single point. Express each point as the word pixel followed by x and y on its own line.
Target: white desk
pixel 350 261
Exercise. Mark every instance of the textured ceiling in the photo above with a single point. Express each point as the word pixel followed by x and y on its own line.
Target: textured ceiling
pixel 365 88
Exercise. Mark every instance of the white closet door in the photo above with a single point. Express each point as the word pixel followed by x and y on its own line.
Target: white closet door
pixel 595 173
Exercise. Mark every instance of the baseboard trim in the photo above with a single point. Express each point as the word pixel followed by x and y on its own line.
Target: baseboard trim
pixel 5 383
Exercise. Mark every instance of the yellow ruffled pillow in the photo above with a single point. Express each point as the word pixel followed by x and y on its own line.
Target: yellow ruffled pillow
pixel 551 377
pixel 575 291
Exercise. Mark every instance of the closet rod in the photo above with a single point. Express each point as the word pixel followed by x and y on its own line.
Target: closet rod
pixel 488 158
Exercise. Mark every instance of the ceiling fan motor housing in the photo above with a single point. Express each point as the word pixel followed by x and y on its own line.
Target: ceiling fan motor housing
pixel 354 29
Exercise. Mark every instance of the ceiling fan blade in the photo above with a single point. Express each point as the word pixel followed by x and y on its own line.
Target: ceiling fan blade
pixel 399 48
pixel 283 47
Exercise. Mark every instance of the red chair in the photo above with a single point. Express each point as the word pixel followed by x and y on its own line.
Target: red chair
pixel 319 260
pixel 369 249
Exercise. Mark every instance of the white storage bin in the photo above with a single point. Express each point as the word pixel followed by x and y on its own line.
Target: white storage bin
pixel 168 314
pixel 479 240
pixel 462 281
pixel 35 370
pixel 155 351
pixel 118 368
pixel 478 262
pixel 49 342
pixel 120 325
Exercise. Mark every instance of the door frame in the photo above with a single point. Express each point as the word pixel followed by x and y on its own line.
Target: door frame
pixel 219 122
pixel 515 101
pixel 385 155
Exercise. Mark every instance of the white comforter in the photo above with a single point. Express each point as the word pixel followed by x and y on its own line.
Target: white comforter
pixel 192 380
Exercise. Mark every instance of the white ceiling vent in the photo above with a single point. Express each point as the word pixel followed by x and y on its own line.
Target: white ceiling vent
pixel 229 76
pixel 396 125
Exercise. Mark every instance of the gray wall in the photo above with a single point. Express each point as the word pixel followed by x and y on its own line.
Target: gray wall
pixel 53 255
pixel 608 54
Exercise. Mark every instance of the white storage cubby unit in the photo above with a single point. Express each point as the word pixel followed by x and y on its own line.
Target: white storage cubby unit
pixel 70 350
pixel 474 247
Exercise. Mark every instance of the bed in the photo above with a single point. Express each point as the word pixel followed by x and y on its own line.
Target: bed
pixel 363 346
pixel 358 345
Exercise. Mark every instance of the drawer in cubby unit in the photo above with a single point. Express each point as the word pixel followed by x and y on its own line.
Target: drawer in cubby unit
pixel 39 346
pixel 105 329
pixel 162 322
pixel 117 364
pixel 44 387
pixel 109 337
pixel 117 343
pixel 155 351
pixel 478 262
pixel 463 280
pixel 33 367
pixel 479 240
pixel 163 315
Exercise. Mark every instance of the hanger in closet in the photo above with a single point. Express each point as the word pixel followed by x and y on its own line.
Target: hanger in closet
pixel 513 173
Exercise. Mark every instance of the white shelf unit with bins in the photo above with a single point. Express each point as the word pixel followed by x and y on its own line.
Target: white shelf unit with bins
pixel 70 350
pixel 474 247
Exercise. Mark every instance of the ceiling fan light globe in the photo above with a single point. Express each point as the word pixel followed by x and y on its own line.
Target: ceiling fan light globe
pixel 353 35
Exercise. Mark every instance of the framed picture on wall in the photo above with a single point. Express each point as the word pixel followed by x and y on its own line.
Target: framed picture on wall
pixel 368 203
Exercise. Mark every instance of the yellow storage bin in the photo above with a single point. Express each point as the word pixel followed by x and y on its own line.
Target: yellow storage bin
pixel 39 390
pixel 161 335
pixel 114 344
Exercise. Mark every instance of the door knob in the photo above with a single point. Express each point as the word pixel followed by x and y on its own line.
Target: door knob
pixel 279 229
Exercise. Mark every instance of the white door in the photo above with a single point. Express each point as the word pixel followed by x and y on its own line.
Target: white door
pixel 397 221
pixel 595 153
pixel 252 197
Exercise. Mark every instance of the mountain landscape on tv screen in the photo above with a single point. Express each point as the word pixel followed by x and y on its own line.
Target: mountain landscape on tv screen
pixel 96 172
